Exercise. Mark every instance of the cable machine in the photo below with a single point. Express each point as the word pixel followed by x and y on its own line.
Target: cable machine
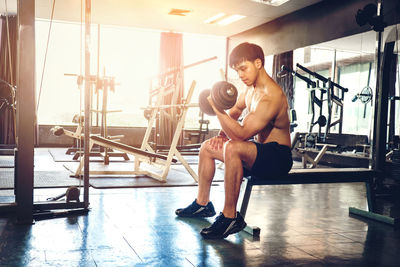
pixel 26 209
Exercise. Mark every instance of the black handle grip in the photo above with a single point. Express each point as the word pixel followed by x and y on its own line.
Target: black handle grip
pixel 307 80
pixel 316 75
pixel 320 77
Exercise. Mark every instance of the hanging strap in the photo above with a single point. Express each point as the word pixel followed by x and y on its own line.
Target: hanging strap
pixel 12 87
pixel 45 55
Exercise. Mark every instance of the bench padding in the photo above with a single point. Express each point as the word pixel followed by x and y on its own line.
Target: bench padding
pixel 319 175
pixel 125 148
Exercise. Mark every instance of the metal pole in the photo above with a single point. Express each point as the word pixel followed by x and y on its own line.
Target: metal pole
pixel 226 59
pixel 24 170
pixel 97 79
pixel 377 95
pixel 88 10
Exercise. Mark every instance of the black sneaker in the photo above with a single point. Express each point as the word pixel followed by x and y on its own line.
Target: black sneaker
pixel 196 210
pixel 222 227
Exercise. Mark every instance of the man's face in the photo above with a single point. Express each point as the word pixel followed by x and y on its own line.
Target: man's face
pixel 247 72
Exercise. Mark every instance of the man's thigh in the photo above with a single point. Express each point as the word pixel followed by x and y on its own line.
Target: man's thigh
pixel 247 152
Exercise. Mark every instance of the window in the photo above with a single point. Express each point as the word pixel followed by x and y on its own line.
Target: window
pixel 128 54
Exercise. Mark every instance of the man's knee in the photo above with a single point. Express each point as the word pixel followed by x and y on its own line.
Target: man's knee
pixel 232 148
pixel 204 145
pixel 205 148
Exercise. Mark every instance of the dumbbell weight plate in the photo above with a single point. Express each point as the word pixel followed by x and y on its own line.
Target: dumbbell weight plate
pixel 321 121
pixel 57 130
pixel 147 113
pixel 204 104
pixel 224 95
pixel 78 118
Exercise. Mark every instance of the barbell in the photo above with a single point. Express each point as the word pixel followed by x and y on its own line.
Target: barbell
pixel 223 94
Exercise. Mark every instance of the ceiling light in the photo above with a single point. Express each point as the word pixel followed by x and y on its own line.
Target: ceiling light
pixel 230 19
pixel 214 19
pixel 271 2
pixel 179 12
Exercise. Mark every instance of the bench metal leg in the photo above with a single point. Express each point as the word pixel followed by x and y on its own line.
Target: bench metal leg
pixel 370 213
pixel 374 216
pixel 370 196
pixel 244 198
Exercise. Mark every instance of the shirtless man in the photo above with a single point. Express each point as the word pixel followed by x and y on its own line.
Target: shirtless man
pixel 269 154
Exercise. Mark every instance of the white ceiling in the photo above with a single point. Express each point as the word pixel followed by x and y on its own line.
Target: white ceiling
pixel 153 14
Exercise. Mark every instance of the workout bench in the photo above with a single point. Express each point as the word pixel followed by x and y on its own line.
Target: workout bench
pixel 304 176
pixel 146 156
pixel 307 158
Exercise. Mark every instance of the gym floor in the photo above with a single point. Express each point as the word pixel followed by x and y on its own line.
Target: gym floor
pixel 301 225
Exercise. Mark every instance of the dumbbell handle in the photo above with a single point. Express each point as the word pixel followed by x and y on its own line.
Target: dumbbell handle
pixel 230 92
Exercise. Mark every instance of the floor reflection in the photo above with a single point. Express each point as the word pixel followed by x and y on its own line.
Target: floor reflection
pixel 305 225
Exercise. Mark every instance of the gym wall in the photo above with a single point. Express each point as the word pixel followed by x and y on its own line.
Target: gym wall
pixel 324 21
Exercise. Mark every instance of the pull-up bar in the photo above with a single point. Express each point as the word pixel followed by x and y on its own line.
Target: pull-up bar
pixel 186 66
pixel 307 80
pixel 320 77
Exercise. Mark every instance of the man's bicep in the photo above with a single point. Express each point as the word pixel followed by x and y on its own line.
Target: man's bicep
pixel 256 121
pixel 252 125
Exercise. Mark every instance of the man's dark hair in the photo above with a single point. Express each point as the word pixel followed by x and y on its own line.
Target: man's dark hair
pixel 245 51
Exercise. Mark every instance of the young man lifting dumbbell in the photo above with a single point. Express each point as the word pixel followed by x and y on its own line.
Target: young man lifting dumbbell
pixel 269 154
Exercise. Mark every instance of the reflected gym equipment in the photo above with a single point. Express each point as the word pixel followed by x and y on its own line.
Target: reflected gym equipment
pixel 386 78
pixel 365 96
pixel 321 121
pixel 331 98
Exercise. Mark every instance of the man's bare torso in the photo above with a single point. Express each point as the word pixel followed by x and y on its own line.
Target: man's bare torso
pixel 278 129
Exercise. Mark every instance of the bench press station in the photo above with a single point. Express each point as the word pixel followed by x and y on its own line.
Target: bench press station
pixel 98 84
pixel 145 153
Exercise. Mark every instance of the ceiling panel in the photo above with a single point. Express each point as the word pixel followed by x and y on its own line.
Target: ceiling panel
pixel 153 14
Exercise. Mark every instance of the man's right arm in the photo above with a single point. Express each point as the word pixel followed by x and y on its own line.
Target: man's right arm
pixel 236 110
pixel 218 141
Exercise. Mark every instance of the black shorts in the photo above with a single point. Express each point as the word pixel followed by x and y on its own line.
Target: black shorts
pixel 272 159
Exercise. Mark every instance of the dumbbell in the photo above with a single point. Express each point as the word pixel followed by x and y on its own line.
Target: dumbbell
pixel 57 130
pixel 147 113
pixel 223 94
pixel 78 118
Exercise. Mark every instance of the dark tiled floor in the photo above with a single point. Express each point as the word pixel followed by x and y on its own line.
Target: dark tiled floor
pixel 301 225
